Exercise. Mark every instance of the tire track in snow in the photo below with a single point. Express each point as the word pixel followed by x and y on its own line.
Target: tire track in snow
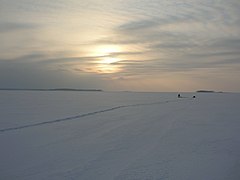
pixel 82 115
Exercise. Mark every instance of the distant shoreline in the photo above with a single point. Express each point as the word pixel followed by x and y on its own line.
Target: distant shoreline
pixel 208 91
pixel 54 89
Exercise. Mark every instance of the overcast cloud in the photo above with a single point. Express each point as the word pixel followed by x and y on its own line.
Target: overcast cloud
pixel 166 45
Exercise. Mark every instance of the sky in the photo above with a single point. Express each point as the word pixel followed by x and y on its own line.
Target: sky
pixel 133 45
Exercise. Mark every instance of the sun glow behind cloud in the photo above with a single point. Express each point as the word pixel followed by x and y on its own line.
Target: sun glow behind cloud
pixel 104 59
pixel 104 50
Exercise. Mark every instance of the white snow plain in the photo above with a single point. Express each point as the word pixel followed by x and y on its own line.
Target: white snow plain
pixel 119 136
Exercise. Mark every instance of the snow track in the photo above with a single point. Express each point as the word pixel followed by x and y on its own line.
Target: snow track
pixel 85 115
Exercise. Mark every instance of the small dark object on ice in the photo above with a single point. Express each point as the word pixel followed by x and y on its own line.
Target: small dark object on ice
pixel 179 96
pixel 194 97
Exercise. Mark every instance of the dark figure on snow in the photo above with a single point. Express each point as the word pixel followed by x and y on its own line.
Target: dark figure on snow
pixel 194 97
pixel 178 95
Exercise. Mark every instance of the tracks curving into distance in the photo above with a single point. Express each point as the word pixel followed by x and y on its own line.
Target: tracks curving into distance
pixel 83 115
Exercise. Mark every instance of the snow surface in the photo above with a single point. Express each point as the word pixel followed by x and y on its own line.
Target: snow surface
pixel 119 135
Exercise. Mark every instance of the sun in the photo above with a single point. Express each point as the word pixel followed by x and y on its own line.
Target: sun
pixel 107 59
pixel 105 50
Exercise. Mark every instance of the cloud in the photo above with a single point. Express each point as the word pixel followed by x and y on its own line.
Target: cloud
pixel 156 38
pixel 14 26
pixel 138 25
pixel 228 42
pixel 30 74
pixel 190 39
pixel 173 45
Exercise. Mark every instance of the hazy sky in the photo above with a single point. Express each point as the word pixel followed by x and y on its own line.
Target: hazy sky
pixel 144 45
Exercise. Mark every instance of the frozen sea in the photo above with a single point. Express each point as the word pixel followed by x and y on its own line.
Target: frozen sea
pixel 119 136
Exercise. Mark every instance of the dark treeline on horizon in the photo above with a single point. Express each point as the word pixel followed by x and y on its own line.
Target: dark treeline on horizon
pixel 51 89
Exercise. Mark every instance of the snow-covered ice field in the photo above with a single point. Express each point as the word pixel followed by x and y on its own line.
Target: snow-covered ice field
pixel 119 135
